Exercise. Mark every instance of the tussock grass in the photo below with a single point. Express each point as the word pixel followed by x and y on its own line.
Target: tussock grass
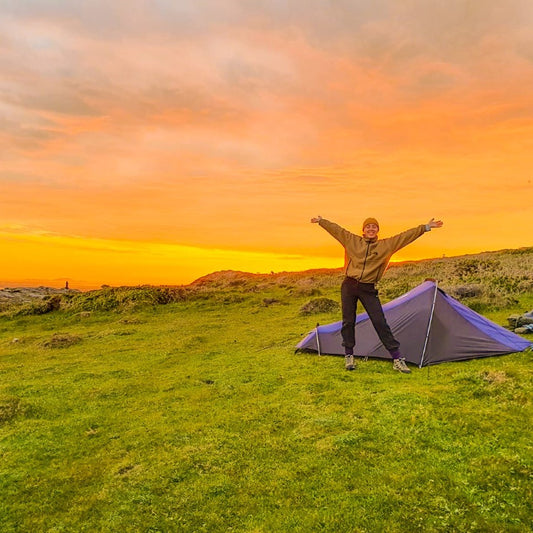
pixel 197 416
pixel 59 340
pixel 319 305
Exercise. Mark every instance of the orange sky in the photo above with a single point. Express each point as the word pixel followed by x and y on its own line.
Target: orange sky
pixel 155 142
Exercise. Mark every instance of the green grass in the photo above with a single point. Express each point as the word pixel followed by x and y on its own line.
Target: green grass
pixel 198 416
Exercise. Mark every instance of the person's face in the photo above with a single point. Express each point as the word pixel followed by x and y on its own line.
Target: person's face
pixel 370 231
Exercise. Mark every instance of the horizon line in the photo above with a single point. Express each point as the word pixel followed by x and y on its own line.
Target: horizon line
pixel 85 286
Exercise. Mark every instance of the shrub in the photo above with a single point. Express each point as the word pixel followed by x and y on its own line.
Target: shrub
pixel 40 307
pixel 10 408
pixel 466 268
pixel 526 285
pixel 475 269
pixel 270 301
pixel 390 289
pixel 319 305
pixel 62 341
pixel 470 290
pixel 490 302
pixel 126 298
pixel 305 291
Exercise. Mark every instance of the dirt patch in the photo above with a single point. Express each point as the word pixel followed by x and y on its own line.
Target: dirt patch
pixel 62 340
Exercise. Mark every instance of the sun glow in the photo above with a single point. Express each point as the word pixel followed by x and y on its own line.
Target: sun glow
pixel 210 142
pixel 90 263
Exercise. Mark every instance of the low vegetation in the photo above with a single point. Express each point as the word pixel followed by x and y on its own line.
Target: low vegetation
pixel 166 409
pixel 485 282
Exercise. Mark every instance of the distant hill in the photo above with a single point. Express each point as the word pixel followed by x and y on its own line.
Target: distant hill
pixel 488 280
pixel 509 269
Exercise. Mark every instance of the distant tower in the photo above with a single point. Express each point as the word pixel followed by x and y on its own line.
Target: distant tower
pixel 66 285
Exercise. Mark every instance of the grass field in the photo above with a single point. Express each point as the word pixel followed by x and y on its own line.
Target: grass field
pixel 197 416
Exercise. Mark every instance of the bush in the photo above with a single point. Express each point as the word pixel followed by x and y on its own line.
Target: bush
pixel 470 290
pixel 41 307
pixel 10 408
pixel 62 340
pixel 305 291
pixel 490 302
pixel 319 305
pixel 475 269
pixel 126 298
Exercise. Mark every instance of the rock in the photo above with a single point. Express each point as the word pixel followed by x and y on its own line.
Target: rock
pixel 14 296
pixel 516 321
pixel 513 320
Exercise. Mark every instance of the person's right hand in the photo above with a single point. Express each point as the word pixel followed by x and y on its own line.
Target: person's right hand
pixel 317 219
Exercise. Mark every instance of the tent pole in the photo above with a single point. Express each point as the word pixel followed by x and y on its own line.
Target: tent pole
pixel 429 326
pixel 317 339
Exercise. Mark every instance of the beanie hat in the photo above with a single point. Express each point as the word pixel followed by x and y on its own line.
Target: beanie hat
pixel 370 220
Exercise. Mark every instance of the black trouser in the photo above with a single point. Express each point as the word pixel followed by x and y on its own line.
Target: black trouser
pixel 351 292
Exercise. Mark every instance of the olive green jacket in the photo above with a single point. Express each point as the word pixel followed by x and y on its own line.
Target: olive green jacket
pixel 366 260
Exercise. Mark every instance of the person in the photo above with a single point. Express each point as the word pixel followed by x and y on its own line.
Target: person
pixel 366 259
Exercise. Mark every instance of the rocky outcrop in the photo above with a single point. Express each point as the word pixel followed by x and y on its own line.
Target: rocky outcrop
pixel 22 295
pixel 521 323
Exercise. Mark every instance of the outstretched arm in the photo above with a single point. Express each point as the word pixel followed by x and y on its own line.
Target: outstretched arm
pixel 407 237
pixel 333 229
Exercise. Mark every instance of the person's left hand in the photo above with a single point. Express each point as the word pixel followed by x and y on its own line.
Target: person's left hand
pixel 435 223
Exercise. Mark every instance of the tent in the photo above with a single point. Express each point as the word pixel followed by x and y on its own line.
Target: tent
pixel 431 326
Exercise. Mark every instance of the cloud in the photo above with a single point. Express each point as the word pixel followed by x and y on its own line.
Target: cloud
pixel 225 72
pixel 229 124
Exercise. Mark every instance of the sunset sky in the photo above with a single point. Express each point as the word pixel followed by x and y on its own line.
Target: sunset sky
pixel 158 141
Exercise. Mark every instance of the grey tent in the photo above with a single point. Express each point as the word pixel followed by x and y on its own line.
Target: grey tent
pixel 431 326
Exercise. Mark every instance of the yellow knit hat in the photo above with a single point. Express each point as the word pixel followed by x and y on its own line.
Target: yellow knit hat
pixel 370 220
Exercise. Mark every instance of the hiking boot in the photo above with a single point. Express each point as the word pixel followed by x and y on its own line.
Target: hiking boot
pixel 349 362
pixel 399 364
